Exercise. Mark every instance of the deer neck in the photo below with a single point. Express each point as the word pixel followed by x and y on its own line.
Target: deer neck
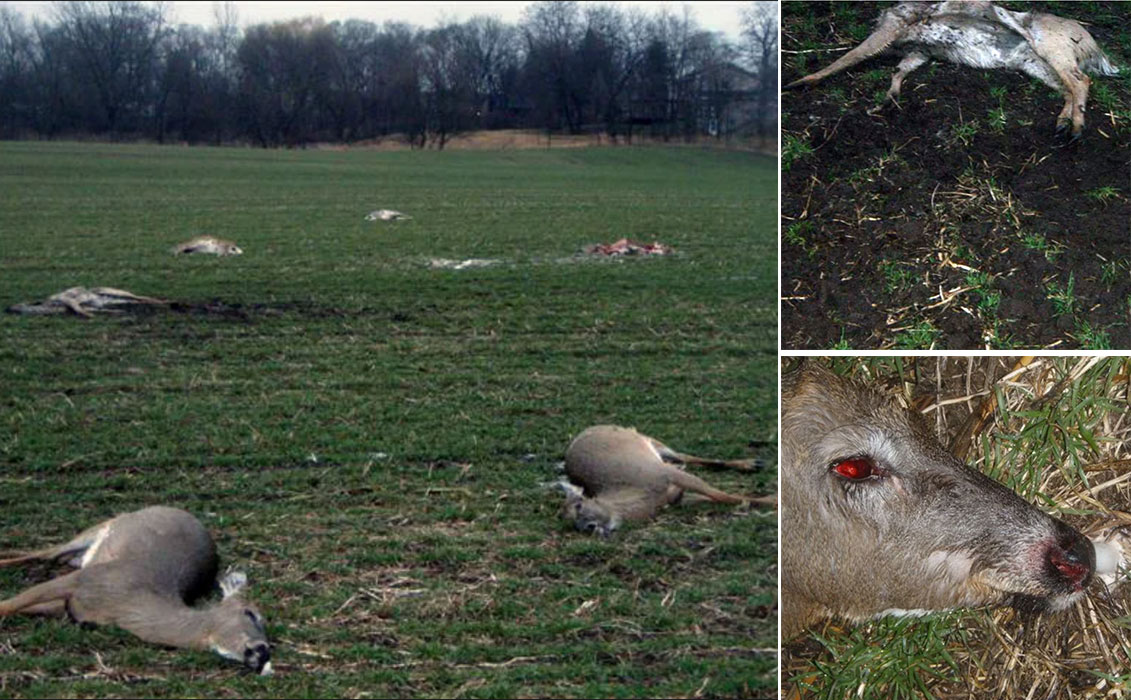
pixel 169 622
pixel 629 503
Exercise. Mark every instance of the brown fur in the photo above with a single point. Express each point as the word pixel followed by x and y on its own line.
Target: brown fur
pixel 1055 50
pixel 138 571
pixel 625 475
pixel 924 532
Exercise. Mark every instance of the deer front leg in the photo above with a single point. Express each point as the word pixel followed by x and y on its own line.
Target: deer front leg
pixel 673 495
pixel 53 608
pixel 41 597
pixel 910 62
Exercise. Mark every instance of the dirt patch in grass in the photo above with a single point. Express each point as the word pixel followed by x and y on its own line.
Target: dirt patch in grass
pixel 957 219
pixel 247 312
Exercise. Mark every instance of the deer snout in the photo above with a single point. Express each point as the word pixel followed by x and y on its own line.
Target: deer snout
pixel 257 657
pixel 1071 561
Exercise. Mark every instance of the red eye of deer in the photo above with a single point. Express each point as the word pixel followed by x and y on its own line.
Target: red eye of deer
pixel 856 469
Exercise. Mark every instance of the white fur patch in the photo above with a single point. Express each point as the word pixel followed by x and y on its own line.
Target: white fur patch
pixel 93 548
pixel 1111 556
pixel 955 565
pixel 652 446
pixel 900 612
pixel 230 655
pixel 233 583
pixel 569 489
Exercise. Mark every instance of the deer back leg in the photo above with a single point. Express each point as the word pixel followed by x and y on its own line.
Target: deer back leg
pixel 1075 91
pixel 1080 102
pixel 1042 71
pixel 74 549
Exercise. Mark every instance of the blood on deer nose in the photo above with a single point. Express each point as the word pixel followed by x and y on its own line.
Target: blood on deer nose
pixel 1073 560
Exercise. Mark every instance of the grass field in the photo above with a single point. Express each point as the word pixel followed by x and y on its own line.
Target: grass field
pixel 366 436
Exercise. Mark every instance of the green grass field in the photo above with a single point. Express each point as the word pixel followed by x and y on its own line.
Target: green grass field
pixel 366 436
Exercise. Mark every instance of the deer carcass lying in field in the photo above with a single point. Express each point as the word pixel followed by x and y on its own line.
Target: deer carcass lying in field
pixel 137 571
pixel 209 245
pixel 625 475
pixel 627 246
pixel 879 519
pixel 85 302
pixel 386 215
pixel 1054 50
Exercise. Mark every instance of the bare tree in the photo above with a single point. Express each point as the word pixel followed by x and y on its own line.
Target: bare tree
pixel 488 53
pixel 282 67
pixel 16 60
pixel 114 45
pixel 553 31
pixel 760 34
pixel 116 67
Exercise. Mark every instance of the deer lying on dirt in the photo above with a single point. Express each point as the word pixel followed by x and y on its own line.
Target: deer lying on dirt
pixel 879 519
pixel 209 245
pixel 138 571
pixel 624 475
pixel 85 302
pixel 1054 50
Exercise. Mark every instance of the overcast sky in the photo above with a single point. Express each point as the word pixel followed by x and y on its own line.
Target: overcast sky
pixel 713 16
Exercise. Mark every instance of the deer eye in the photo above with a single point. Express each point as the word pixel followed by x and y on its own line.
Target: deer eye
pixel 856 469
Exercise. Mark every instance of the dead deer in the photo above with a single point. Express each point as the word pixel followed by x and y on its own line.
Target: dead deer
pixel 386 215
pixel 625 475
pixel 1054 50
pixel 138 571
pixel 208 245
pixel 85 302
pixel 879 519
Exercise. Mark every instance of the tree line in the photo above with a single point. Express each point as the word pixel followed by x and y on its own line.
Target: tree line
pixel 121 70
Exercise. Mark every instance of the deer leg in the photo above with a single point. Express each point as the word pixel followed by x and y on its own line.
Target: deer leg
pixel 910 62
pixel 1071 83
pixel 674 494
pixel 1081 95
pixel 78 310
pixel 73 549
pixel 53 608
pixel 742 465
pixel 670 456
pixel 39 597
pixel 1074 88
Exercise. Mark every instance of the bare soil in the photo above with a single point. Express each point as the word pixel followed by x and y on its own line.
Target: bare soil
pixel 958 213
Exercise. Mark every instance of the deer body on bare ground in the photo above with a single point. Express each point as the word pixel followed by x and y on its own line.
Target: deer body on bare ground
pixel 1057 51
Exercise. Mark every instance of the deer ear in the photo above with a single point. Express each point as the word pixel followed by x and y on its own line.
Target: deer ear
pixel 572 491
pixel 232 583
